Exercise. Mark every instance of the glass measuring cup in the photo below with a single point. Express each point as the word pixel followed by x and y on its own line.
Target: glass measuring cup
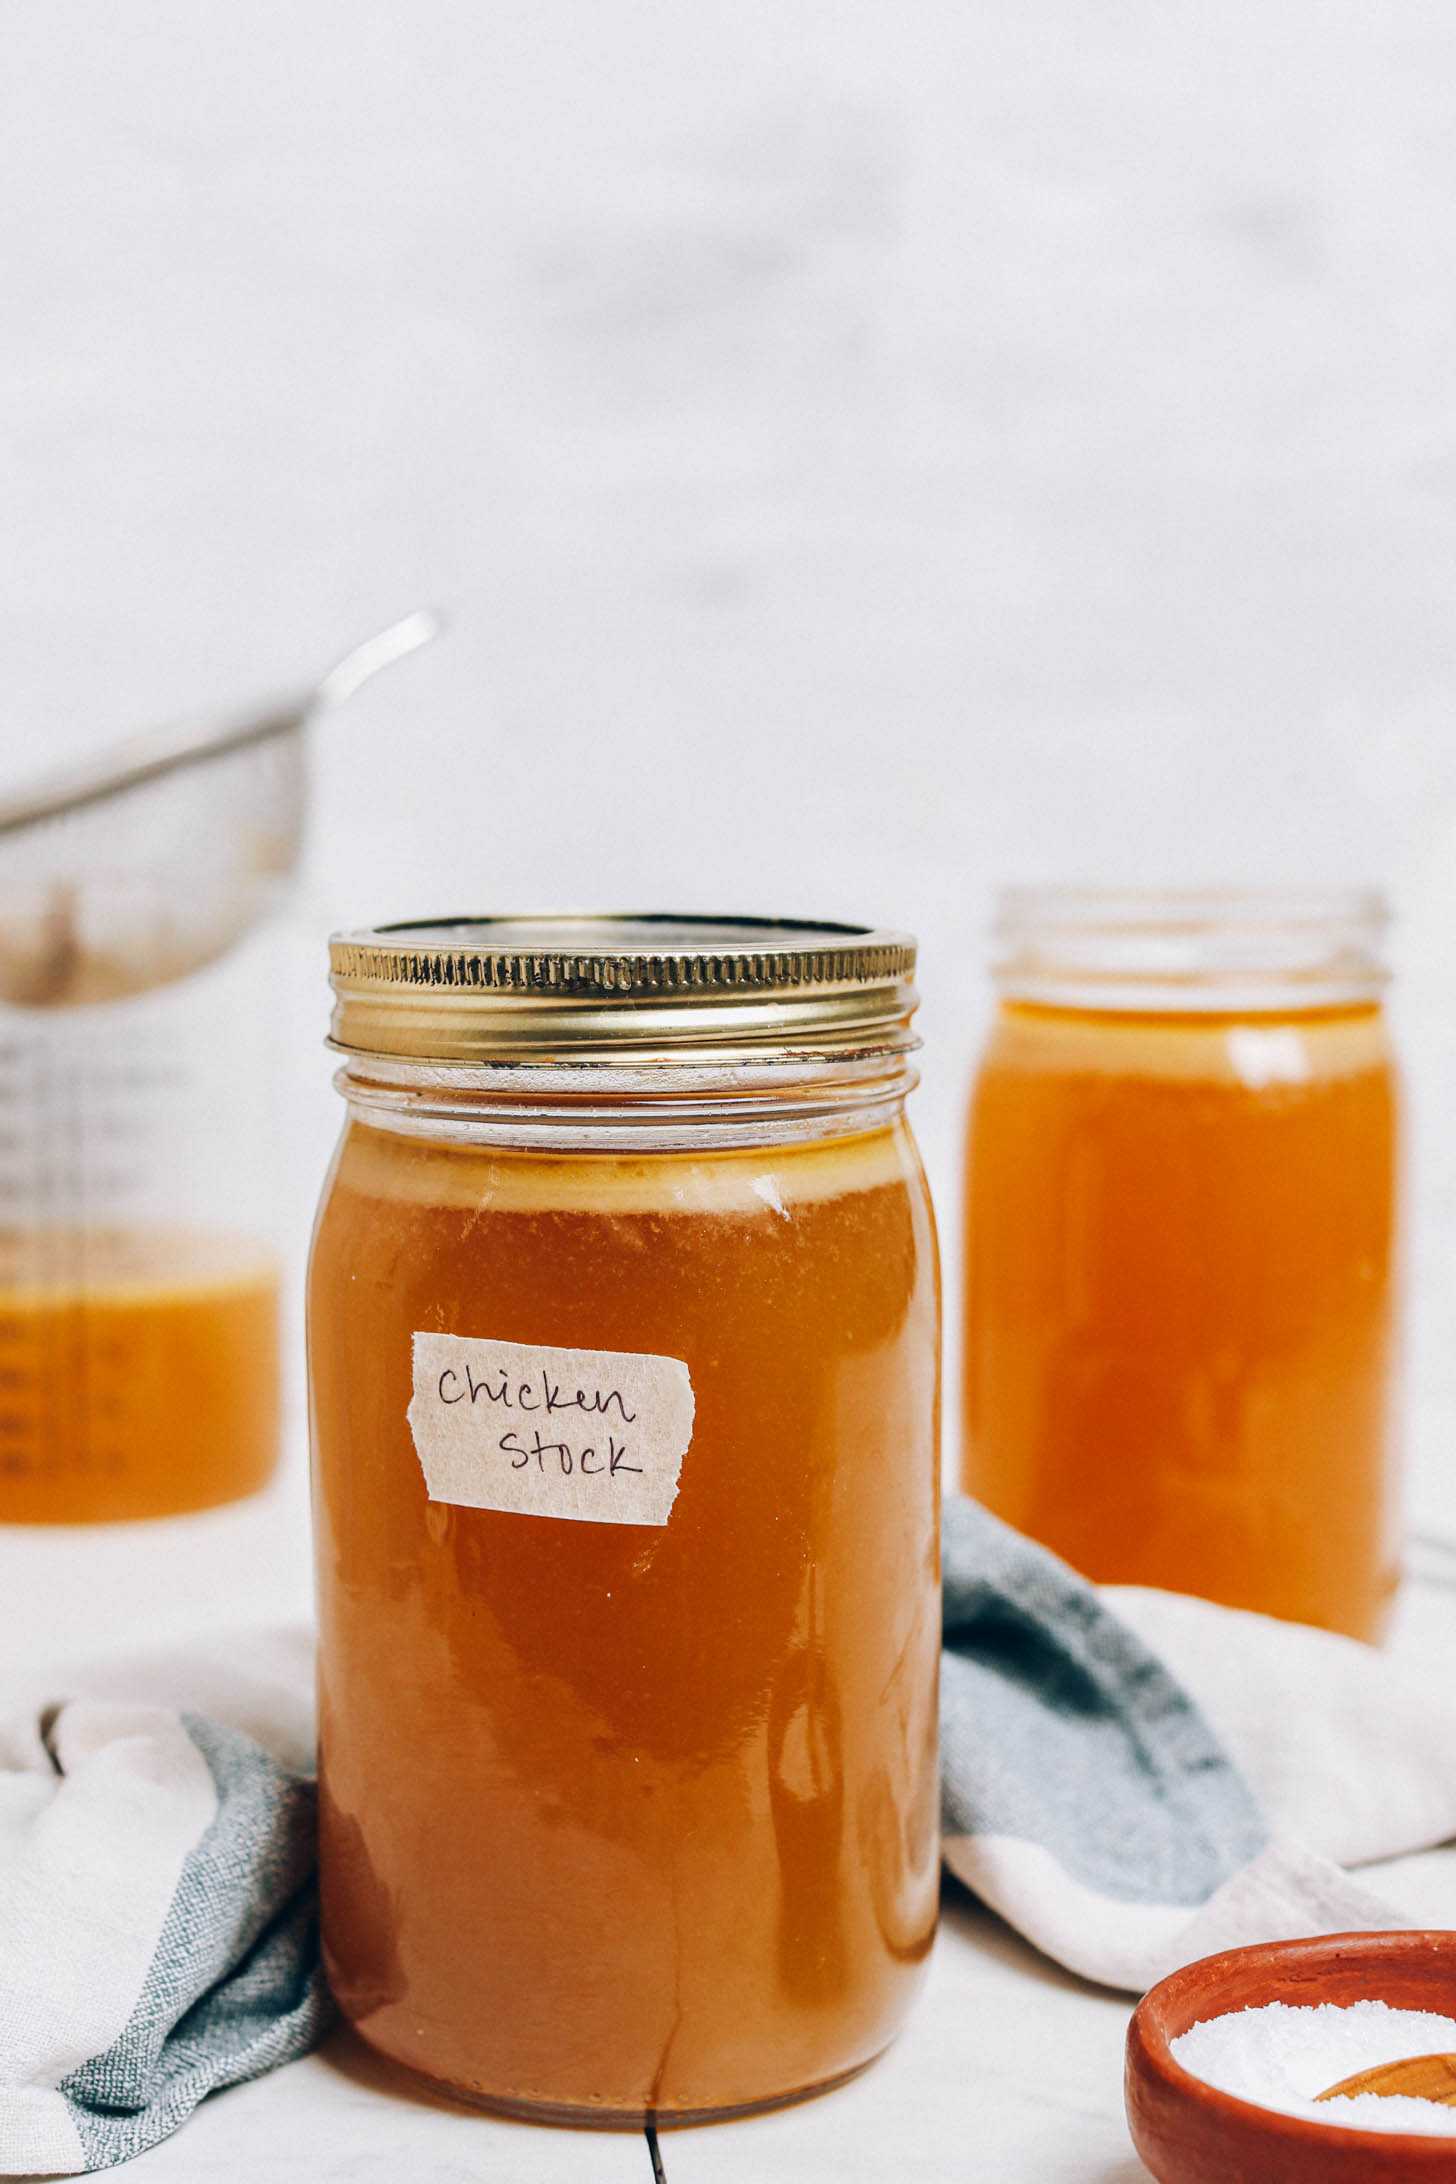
pixel 139 1267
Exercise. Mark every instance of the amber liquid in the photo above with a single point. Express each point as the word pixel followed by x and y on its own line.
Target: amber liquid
pixel 1180 1304
pixel 625 1820
pixel 138 1374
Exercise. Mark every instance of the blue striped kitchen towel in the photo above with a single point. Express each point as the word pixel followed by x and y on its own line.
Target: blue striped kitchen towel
pixel 158 1920
pixel 1134 1779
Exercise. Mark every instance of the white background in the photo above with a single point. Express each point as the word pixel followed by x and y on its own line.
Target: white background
pixel 868 453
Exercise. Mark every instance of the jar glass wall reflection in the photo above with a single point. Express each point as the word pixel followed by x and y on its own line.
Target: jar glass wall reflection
pixel 623 1332
pixel 1181 1298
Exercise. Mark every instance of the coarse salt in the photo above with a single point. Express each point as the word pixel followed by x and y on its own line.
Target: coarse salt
pixel 1282 2055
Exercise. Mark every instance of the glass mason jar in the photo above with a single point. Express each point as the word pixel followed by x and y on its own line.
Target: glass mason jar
pixel 1181 1300
pixel 623 1349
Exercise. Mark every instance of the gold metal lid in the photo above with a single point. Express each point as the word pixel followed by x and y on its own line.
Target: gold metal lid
pixel 584 988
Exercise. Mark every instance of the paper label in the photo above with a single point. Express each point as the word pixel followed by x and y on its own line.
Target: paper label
pixel 598 1435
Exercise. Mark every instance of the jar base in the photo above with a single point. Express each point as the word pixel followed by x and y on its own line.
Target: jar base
pixel 589 2117
pixel 98 1518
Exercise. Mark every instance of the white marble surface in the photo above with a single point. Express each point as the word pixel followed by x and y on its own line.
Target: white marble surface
pixel 77 1592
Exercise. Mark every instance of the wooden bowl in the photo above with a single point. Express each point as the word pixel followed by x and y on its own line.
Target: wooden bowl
pixel 1188 2132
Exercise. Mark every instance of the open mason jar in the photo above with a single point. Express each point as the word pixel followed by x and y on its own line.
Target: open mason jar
pixel 623 1345
pixel 1181 1284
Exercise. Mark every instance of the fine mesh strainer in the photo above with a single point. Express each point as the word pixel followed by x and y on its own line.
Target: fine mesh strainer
pixel 149 862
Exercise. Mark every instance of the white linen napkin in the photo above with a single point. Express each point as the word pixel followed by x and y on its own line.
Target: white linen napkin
pixel 158 1927
pixel 1134 1779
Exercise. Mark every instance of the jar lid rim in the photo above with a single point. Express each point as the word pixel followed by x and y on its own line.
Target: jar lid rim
pixel 466 988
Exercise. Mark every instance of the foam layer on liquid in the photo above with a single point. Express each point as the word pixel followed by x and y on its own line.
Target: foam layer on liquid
pixel 390 1165
pixel 1249 1051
